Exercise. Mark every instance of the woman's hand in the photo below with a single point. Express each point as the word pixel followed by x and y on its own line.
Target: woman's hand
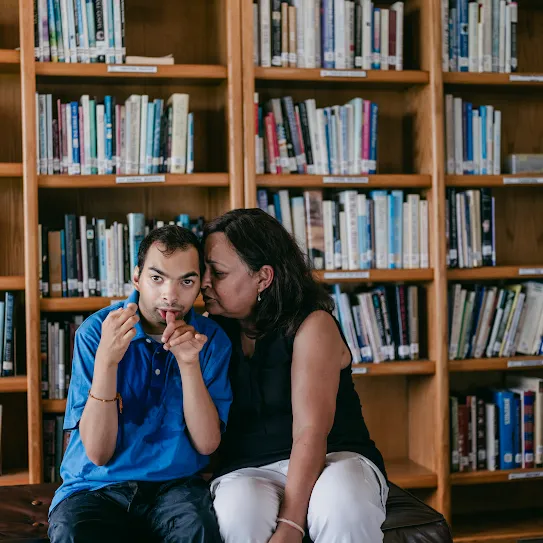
pixel 286 534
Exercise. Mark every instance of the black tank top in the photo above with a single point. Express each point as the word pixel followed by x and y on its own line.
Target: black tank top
pixel 259 429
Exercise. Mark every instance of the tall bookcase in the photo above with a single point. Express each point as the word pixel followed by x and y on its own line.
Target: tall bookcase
pixel 406 404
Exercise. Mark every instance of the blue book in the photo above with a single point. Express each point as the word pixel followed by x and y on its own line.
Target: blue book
pixel 395 229
pixel 328 43
pixel 52 38
pixel 183 220
pixel 262 199
pixel 277 206
pixel 334 155
pixel 344 141
pixel 79 13
pixel 484 161
pixel 63 264
pixel 74 106
pixel 376 40
pixel 190 143
pixel 8 361
pixel 373 139
pixel 463 34
pixel 91 27
pixel 110 38
pixel 58 28
pixel 469 137
pixel 363 244
pixel 328 135
pixel 102 251
pixel 159 104
pixel 504 401
pixel 108 127
pixel 150 137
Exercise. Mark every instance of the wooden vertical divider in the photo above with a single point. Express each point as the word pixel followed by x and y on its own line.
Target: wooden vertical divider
pixel 31 249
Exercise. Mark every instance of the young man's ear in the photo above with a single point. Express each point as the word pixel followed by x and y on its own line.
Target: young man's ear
pixel 136 278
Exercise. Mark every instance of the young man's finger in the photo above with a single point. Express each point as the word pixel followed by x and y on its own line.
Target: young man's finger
pixel 178 340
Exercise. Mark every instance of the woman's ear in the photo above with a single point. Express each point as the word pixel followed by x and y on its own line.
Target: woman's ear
pixel 265 279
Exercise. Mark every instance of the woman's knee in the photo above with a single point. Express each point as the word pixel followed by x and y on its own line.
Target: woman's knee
pixel 246 508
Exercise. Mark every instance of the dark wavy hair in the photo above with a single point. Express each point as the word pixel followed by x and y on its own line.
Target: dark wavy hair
pixel 259 239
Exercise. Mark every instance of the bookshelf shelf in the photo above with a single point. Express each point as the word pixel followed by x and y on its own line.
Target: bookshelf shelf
pixel 419 367
pixel 498 528
pixel 498 476
pixel 9 61
pixel 86 304
pixel 14 477
pixel 344 181
pixel 13 384
pixel 408 474
pixel 13 282
pixel 374 276
pixel 53 406
pixel 104 181
pixel 495 272
pixel 514 363
pixel 318 75
pixel 201 73
pixel 493 79
pixel 11 169
pixel 492 181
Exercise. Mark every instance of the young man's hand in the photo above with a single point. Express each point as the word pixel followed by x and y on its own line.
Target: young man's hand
pixel 117 333
pixel 182 340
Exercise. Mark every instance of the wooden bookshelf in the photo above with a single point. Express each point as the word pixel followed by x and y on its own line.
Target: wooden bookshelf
pixel 514 363
pixel 408 474
pixel 374 276
pixel 492 273
pixel 402 367
pixel 12 283
pixel 494 79
pixel 14 477
pixel 9 61
pixel 13 384
pixel 498 476
pixel 11 170
pixel 344 181
pixel 203 180
pixel 495 181
pixel 53 406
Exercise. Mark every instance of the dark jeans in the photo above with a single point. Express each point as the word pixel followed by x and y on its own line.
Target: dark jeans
pixel 179 511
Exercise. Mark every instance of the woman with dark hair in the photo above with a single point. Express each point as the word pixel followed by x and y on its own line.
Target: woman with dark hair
pixel 296 455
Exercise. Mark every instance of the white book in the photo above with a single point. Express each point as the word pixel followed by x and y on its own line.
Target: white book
pixel 339 32
pixel 357 135
pixel 370 325
pixel 381 230
pixel 502 37
pixel 414 232
pixel 496 324
pixel 533 311
pixel 487 35
pixel 508 39
pixel 349 34
pixel 143 134
pixel 321 123
pixel 309 34
pixel 343 241
pixel 84 33
pixel 487 314
pixel 135 120
pixel 349 199
pixel 180 104
pixel 120 260
pixel 458 311
pixel 317 31
pixel 314 135
pixel 49 131
pixel 256 36
pixel 110 262
pixel 328 235
pixel 65 30
pixel 384 38
pixel 349 328
pixel 449 126
pixel 300 33
pixel 118 36
pixel 399 9
pixel 423 235
pixel 69 140
pixel 286 216
pixel 509 339
pixel 458 137
pixel 480 46
pixel 491 437
pixel 107 22
pixel 473 38
pixel 74 57
pixel 265 33
pixel 460 229
pixel 367 24
pixel 362 213
pixel 406 248
pixel 350 151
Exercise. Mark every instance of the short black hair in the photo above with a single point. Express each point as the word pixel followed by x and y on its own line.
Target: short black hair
pixel 259 239
pixel 173 238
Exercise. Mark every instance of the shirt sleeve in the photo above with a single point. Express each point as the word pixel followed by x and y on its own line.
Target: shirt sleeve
pixel 215 374
pixel 86 341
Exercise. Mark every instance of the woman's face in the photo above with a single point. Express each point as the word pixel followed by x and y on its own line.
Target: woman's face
pixel 229 288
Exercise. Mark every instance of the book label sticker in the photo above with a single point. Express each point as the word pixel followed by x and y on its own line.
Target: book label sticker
pixel 528 475
pixel 530 78
pixel 524 363
pixel 359 371
pixel 347 275
pixel 346 180
pixel 530 271
pixel 140 179
pixel 522 180
pixel 343 73
pixel 128 69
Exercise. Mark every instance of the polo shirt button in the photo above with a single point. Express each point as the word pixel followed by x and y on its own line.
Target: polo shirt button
pixel 148 340
pixel 157 372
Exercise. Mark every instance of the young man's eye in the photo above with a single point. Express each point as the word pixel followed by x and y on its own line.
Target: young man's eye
pixel 188 282
pixel 155 278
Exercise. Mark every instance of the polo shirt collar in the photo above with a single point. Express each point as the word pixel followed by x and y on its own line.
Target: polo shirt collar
pixel 140 334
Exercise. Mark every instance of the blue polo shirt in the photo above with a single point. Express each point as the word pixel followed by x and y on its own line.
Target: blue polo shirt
pixel 153 442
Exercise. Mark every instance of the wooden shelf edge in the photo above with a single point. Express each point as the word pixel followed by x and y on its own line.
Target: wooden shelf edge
pixel 495 272
pixel 104 181
pixel 14 384
pixel 493 181
pixel 12 282
pixel 53 406
pixel 408 367
pixel 14 477
pixel 408 474
pixel 466 78
pixel 374 276
pixel 498 476
pixel 409 77
pixel 11 169
pixel 176 71
pixel 353 181
pixel 513 363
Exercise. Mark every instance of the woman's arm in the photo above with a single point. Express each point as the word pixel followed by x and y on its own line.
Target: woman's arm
pixel 319 354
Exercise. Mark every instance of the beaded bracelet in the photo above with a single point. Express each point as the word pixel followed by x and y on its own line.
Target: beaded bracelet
pixel 118 398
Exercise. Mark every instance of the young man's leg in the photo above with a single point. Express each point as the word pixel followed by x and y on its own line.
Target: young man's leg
pixel 98 516
pixel 182 512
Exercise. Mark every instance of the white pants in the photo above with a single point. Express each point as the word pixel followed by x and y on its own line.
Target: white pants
pixel 347 505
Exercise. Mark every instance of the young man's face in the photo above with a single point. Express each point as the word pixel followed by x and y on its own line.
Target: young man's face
pixel 166 283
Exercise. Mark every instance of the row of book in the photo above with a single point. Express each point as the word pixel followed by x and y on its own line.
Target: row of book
pixel 301 138
pixel 480 36
pixel 381 324
pixel 91 136
pixel 55 441
pixel 351 230
pixel 498 429
pixel 332 34
pixel 473 138
pixel 491 321
pixel 79 31
pixel 56 352
pixel 470 228
pixel 88 258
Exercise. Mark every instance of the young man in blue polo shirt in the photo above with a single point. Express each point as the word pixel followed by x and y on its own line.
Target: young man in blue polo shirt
pixel 148 399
